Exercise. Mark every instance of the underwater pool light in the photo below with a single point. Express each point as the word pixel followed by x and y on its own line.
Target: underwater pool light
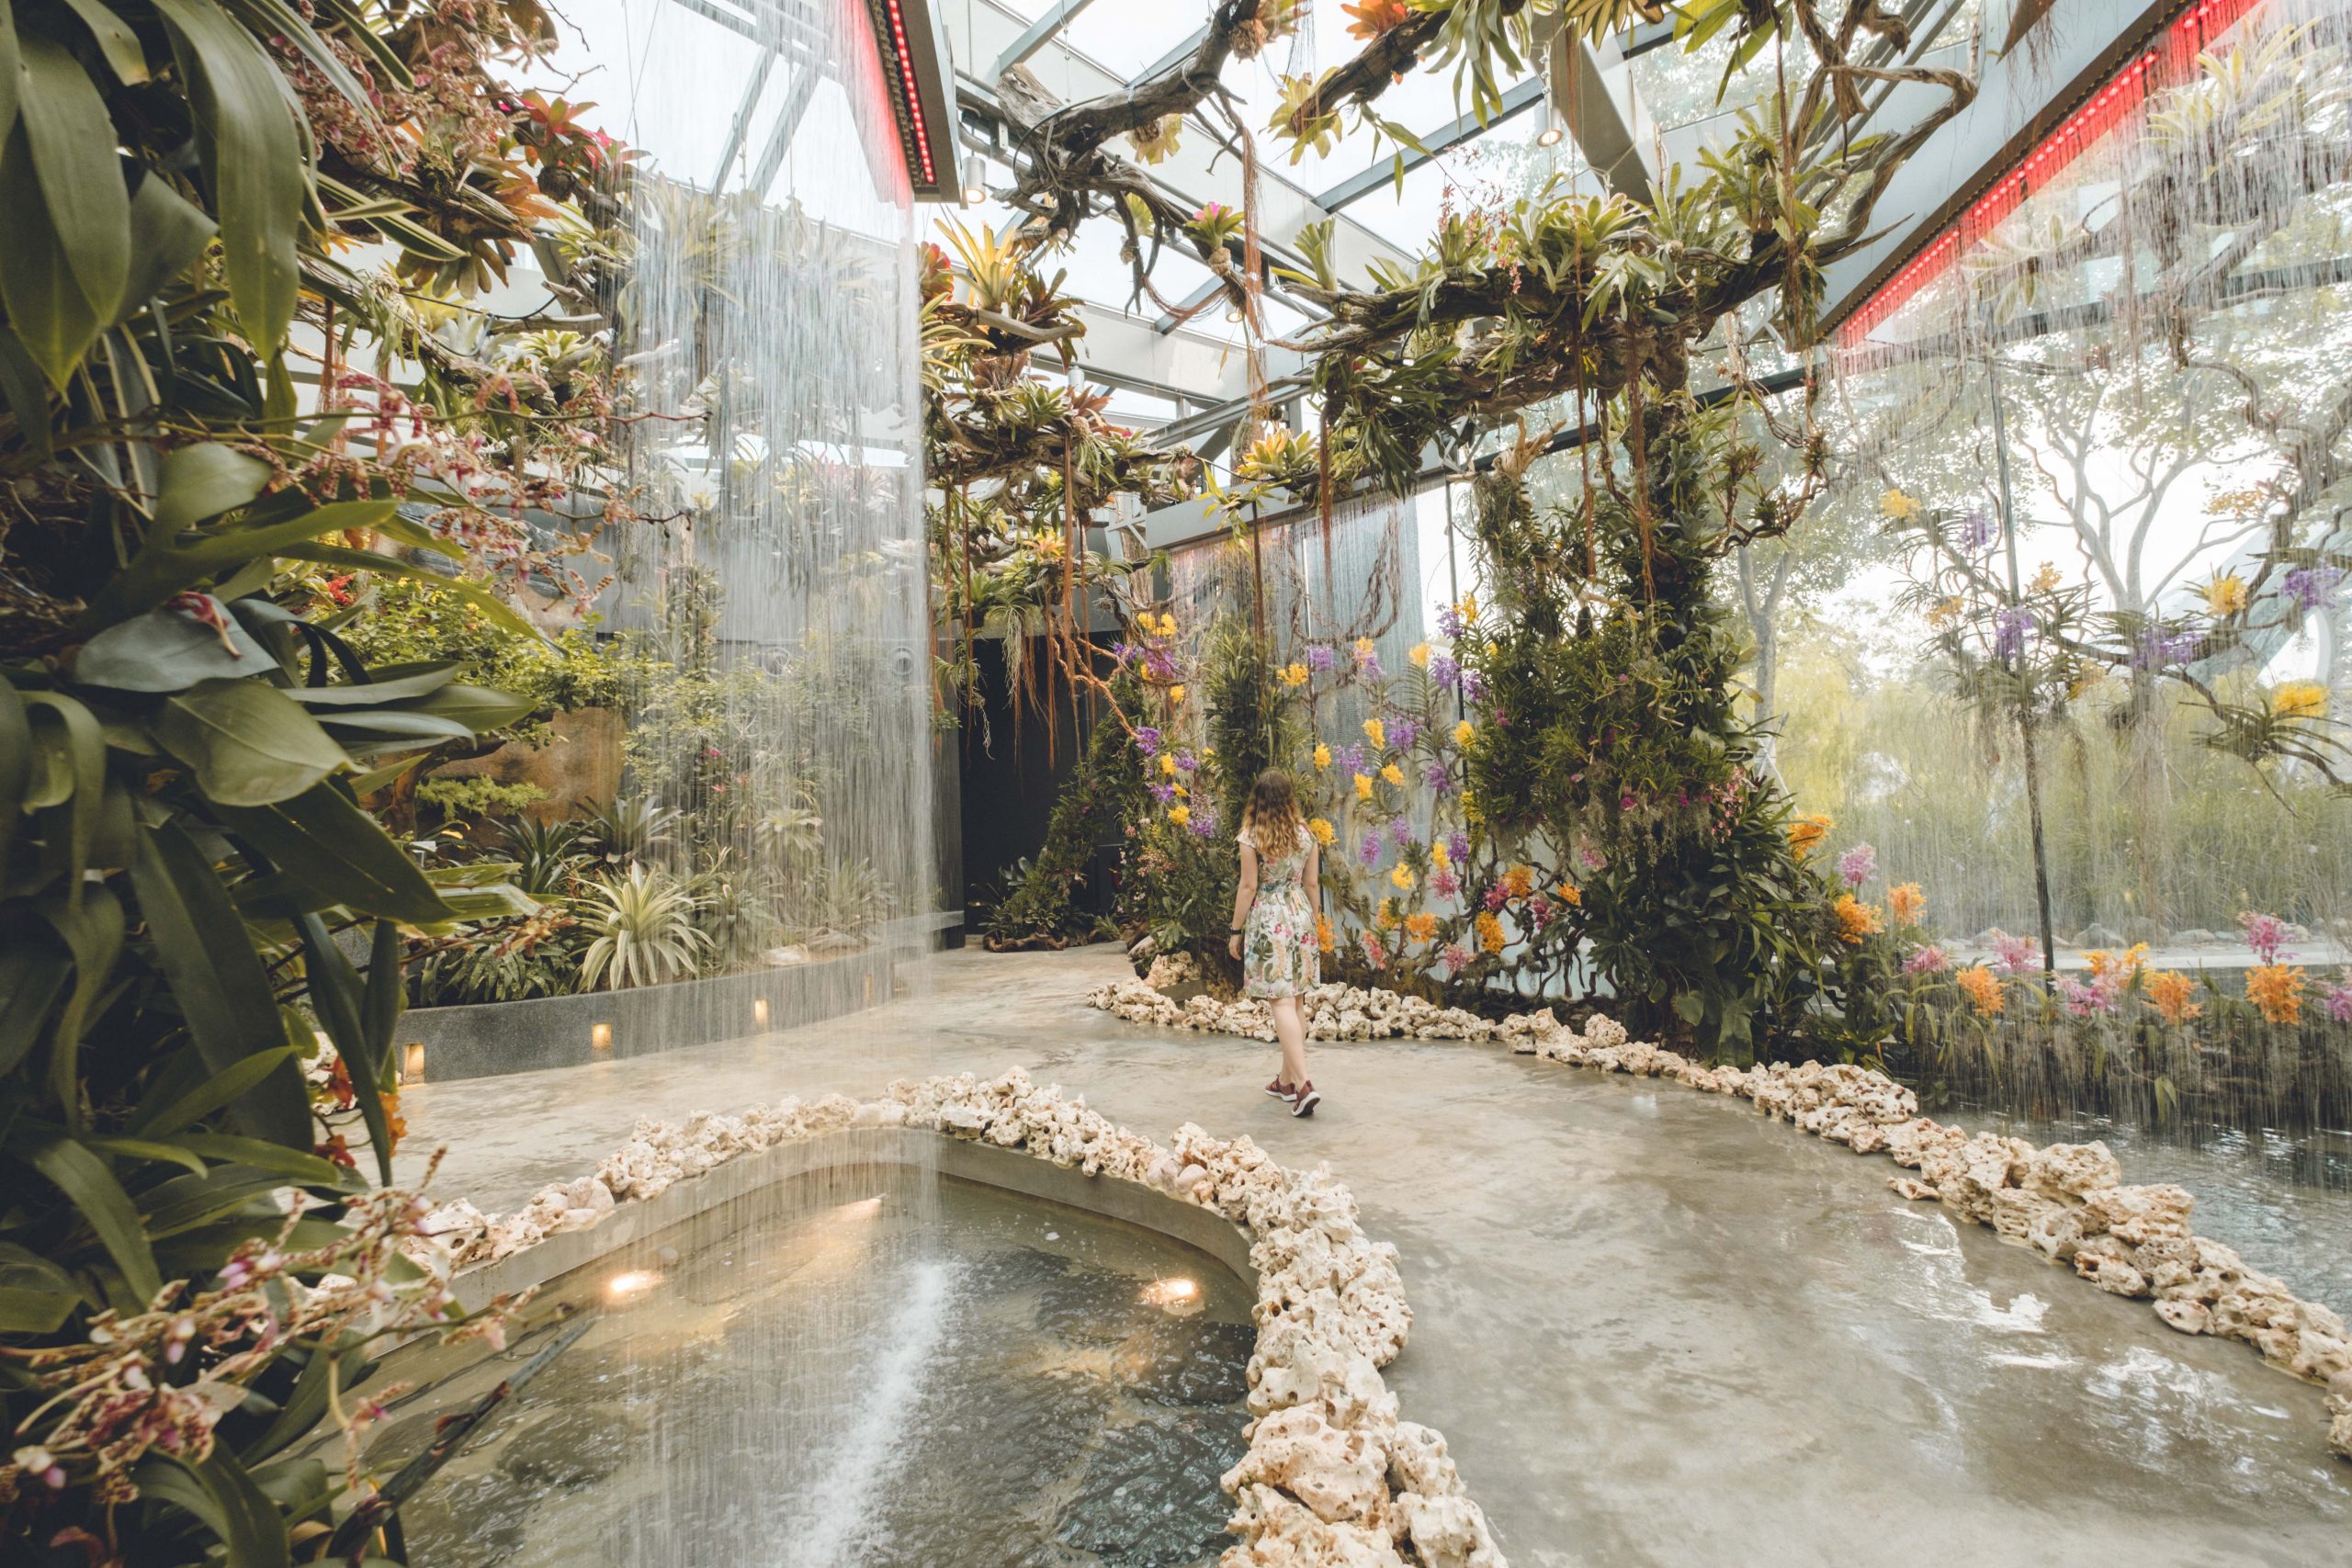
pixel 631 1284
pixel 600 1036
pixel 1176 1295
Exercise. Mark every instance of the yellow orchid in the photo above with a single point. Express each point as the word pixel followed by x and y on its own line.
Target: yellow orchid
pixel 2227 594
pixel 1322 755
pixel 1363 787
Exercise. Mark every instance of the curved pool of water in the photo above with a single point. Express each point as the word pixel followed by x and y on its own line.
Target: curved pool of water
pixel 878 1367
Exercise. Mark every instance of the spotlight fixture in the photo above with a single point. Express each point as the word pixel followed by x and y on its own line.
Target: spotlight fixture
pixel 1550 135
pixel 975 180
pixel 1233 313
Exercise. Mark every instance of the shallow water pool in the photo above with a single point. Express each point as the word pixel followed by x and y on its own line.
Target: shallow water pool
pixel 881 1368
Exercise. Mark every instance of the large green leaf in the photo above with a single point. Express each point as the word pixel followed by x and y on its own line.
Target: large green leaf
pixel 168 650
pixel 248 743
pixel 36 1295
pixel 337 997
pixel 91 926
pixel 16 733
pixel 381 730
pixel 22 384
pixel 32 975
pixel 168 1107
pixel 8 62
pixel 272 1159
pixel 476 707
pixel 221 986
pixel 167 233
pixel 321 842
pixel 383 689
pixel 83 1178
pixel 255 163
pixel 77 742
pixel 203 480
pixel 68 253
pixel 171 559
pixel 116 42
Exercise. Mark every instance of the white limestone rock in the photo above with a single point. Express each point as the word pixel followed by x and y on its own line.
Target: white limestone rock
pixel 1340 1474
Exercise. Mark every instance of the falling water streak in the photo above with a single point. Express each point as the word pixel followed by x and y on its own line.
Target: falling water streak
pixel 867 1455
pixel 773 428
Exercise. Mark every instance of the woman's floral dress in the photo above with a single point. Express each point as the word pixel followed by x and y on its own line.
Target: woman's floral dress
pixel 1279 957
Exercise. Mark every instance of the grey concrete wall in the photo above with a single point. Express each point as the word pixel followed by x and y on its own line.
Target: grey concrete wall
pixel 627 1233
pixel 561 1032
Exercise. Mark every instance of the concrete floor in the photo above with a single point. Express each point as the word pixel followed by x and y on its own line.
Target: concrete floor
pixel 1655 1328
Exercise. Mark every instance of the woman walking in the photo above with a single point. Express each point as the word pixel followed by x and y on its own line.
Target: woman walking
pixel 1273 929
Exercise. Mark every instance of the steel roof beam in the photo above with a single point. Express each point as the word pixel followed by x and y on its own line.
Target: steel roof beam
pixel 1039 34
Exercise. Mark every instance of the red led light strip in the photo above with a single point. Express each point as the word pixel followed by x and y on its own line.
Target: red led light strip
pixel 909 96
pixel 2171 60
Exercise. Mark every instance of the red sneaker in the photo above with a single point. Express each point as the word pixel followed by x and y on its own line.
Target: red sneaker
pixel 1280 1090
pixel 1304 1102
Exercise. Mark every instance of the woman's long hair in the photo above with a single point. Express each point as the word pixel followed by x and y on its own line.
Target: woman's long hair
pixel 1271 821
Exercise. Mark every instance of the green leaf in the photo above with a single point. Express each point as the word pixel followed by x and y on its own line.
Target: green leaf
pixel 489 605
pixel 76 739
pixel 168 562
pixel 167 233
pixel 335 996
pixel 215 1090
pixel 83 1178
pixel 221 989
pixel 9 60
pixel 187 1201
pixel 168 650
pixel 320 841
pixel 32 975
pixel 381 728
pixel 476 707
pixel 273 1159
pixel 147 1149
pixel 92 930
pixel 248 743
pixel 499 901
pixel 21 381
pixel 117 42
pixel 250 1525
pixel 62 270
pixel 255 163
pixel 205 479
pixel 16 734
pixel 36 1295
pixel 380 691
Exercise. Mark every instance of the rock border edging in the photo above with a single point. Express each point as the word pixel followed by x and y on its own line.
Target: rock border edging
pixel 1332 1474
pixel 2066 1201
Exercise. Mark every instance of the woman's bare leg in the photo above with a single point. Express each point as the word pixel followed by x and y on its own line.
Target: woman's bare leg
pixel 1290 1028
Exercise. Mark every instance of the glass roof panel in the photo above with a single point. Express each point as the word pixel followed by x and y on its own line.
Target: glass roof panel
pixel 1128 36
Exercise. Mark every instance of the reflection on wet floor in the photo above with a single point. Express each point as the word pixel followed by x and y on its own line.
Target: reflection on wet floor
pixel 946 1375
